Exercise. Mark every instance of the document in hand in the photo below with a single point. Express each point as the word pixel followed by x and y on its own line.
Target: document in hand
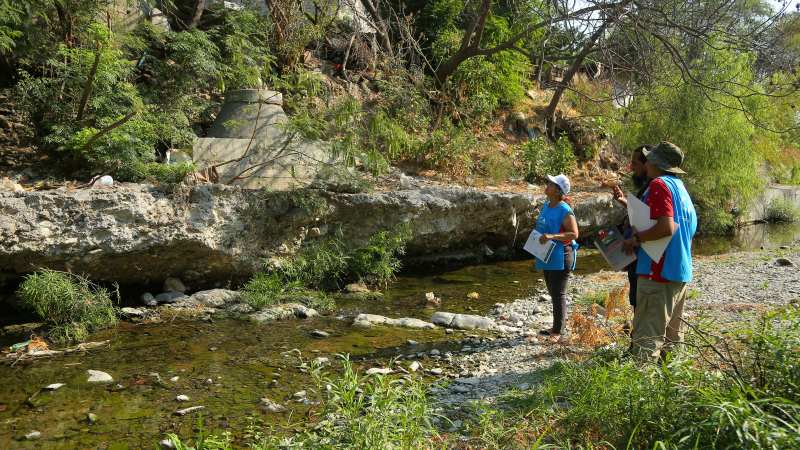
pixel 541 251
pixel 639 217
pixel 610 246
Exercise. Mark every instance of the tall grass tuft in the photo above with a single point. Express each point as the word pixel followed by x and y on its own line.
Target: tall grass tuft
pixel 71 305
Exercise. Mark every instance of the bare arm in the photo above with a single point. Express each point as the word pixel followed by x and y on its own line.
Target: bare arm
pixel 664 227
pixel 570 232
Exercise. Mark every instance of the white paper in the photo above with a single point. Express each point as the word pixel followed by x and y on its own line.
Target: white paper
pixel 541 251
pixel 639 216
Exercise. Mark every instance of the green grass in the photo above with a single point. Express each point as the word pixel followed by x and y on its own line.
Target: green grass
pixel 71 305
pixel 593 298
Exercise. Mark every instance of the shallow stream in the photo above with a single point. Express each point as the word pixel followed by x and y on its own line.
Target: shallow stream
pixel 227 366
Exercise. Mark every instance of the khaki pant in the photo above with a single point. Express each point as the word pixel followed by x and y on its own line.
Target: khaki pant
pixel 657 318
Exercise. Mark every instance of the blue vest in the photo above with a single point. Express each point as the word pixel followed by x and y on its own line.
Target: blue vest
pixel 550 221
pixel 678 255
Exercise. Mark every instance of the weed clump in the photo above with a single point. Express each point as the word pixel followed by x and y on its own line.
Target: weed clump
pixel 782 211
pixel 71 305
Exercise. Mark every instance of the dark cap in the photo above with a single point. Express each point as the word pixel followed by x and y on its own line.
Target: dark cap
pixel 666 156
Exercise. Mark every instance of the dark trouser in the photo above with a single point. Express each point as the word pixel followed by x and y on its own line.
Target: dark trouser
pixel 632 281
pixel 556 281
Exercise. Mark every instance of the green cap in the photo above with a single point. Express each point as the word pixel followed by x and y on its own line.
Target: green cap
pixel 666 156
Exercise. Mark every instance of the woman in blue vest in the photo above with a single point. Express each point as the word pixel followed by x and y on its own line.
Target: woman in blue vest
pixel 557 222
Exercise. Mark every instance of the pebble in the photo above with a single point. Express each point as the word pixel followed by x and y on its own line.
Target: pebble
pixel 414 366
pixel 91 418
pixel 435 352
pixel 320 334
pixel 300 394
pixel 174 379
pixel 148 299
pixel 167 444
pixel 449 331
pixel 411 342
pixel 321 360
pixel 209 381
pixel 379 371
pixel 33 435
pixel 436 371
pixel 97 376
pixel 54 386
pixel 182 398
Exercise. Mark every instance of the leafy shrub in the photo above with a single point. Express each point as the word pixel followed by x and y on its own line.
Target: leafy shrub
pixel 379 260
pixel 327 264
pixel 721 159
pixel 780 210
pixel 542 159
pixel 498 166
pixel 71 305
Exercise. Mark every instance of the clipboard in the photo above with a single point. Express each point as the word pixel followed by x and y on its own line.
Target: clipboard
pixel 541 251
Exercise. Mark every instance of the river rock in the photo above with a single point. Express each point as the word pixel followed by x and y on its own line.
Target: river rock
pixel 174 285
pixel 436 371
pixel 320 334
pixel 169 297
pixel 354 288
pixel 216 298
pixel 414 366
pixel 167 444
pixel 217 232
pixel 368 320
pixel 784 262
pixel 270 406
pixel 285 311
pixel 148 299
pixel 97 376
pixel 182 398
pixel 54 386
pixel 379 371
pixel 462 321
pixel 133 312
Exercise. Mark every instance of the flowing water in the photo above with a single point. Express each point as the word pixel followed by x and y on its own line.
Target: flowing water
pixel 241 359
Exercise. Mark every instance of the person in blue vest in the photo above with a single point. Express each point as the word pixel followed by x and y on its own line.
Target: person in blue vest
pixel 557 222
pixel 661 289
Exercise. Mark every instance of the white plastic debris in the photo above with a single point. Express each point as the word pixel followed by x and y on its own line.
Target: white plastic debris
pixel 105 181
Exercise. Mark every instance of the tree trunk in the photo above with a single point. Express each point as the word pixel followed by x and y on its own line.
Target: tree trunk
pixel 550 112
pixel 199 7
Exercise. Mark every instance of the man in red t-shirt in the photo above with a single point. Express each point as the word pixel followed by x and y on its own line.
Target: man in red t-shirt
pixel 661 287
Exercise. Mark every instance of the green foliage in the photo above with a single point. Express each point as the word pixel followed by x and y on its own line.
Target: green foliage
pixel 542 159
pixel 378 261
pixel 747 400
pixel 780 210
pixel 498 166
pixel 483 84
pixel 328 264
pixel 247 61
pixel 593 298
pixel 156 172
pixel 721 159
pixel 359 412
pixel 71 305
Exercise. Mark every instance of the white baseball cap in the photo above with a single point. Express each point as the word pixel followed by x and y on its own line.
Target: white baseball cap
pixel 561 181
